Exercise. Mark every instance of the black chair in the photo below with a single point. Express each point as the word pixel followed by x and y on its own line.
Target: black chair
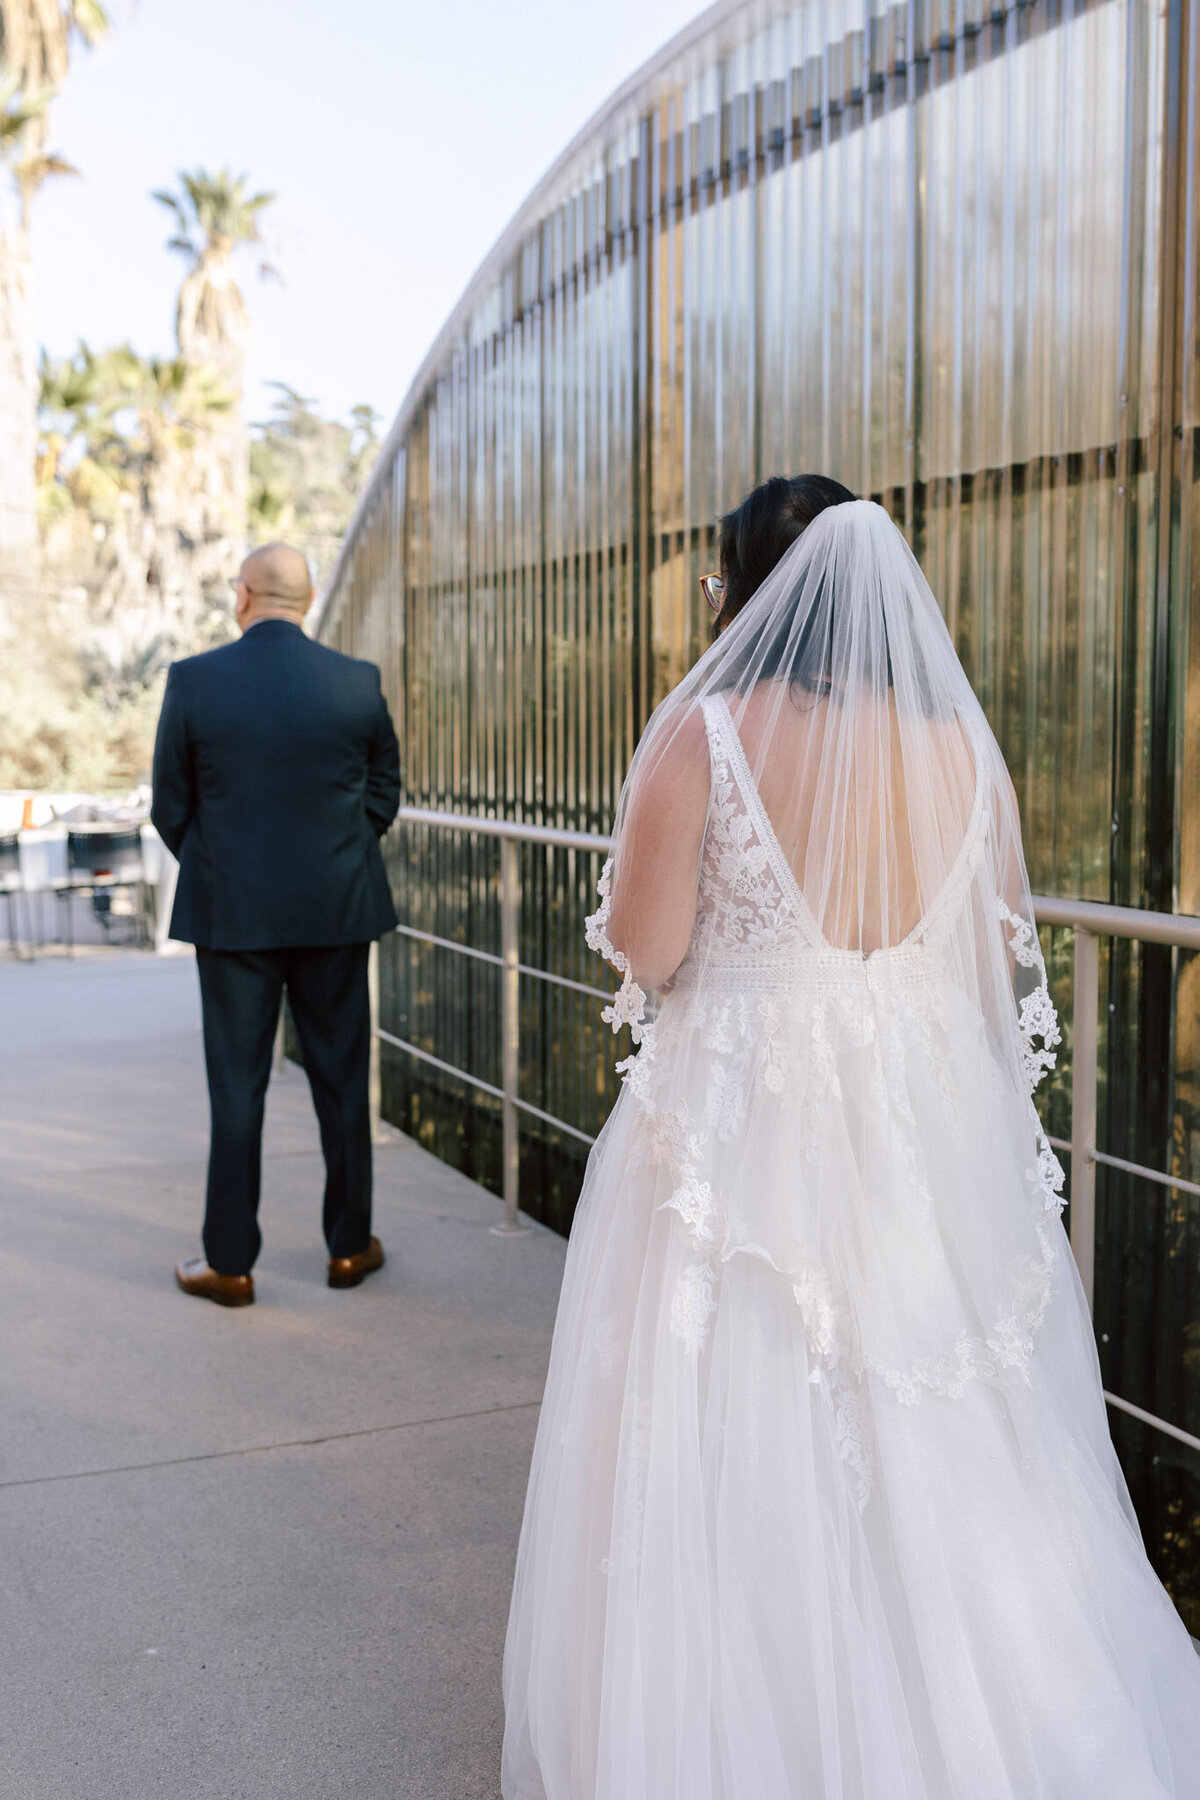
pixel 101 859
pixel 12 886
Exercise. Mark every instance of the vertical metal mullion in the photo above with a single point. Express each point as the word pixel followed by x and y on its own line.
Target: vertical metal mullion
pixel 510 1029
pixel 1085 1032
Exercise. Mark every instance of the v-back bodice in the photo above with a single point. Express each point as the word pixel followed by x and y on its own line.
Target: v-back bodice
pixel 754 926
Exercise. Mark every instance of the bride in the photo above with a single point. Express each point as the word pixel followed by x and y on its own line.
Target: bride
pixel 823 1503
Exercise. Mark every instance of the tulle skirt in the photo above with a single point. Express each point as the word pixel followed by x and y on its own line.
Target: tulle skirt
pixel 750 1571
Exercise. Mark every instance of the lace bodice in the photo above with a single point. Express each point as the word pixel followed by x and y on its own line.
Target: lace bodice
pixel 751 919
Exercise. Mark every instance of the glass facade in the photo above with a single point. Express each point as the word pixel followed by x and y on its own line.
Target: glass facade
pixel 946 253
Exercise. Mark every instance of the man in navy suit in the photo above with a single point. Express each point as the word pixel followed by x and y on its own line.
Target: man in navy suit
pixel 276 772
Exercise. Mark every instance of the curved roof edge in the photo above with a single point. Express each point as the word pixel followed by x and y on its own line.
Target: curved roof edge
pixel 643 77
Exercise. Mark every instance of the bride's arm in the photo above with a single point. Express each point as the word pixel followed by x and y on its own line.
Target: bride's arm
pixel 658 860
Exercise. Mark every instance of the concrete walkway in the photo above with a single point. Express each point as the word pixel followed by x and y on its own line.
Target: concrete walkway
pixel 242 1554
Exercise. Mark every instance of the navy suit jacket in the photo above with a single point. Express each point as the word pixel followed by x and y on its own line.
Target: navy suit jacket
pixel 276 772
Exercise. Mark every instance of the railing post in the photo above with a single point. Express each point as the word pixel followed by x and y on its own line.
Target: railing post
pixel 1085 1034
pixel 374 1081
pixel 510 1027
pixel 381 1131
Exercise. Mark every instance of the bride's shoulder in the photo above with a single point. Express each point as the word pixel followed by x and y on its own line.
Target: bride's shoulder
pixel 673 764
pixel 682 741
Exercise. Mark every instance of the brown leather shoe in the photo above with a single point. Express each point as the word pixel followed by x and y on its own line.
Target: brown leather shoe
pixel 195 1277
pixel 348 1271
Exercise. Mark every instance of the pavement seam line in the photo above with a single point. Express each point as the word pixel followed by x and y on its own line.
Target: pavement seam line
pixel 329 1437
pixel 182 1162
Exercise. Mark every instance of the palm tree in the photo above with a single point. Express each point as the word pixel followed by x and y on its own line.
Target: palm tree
pixel 114 422
pixel 36 40
pixel 126 549
pixel 213 217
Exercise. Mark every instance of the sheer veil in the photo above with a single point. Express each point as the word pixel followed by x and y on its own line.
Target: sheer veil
pixel 818 844
pixel 888 818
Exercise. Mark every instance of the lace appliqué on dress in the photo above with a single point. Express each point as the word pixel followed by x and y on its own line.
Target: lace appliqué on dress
pixel 692 1306
pixel 679 1150
pixel 740 892
pixel 837 1371
pixel 1008 1345
pixel 852 1436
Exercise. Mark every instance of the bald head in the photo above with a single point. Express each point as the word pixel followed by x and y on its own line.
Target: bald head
pixel 274 583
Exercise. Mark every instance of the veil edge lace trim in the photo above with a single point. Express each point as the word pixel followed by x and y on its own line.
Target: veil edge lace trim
pixel 629 1002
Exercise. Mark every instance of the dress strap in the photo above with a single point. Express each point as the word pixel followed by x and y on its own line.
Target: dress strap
pixel 730 764
pixel 715 711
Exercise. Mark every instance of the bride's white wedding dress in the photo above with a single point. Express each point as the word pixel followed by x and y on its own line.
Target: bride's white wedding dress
pixel 823 1504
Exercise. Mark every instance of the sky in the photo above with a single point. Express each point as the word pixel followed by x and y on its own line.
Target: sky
pixel 400 139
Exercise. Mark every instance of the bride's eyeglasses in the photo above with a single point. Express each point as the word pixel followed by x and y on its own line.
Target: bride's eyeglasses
pixel 713 589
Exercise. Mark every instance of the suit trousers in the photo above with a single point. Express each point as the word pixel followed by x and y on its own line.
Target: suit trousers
pixel 240 993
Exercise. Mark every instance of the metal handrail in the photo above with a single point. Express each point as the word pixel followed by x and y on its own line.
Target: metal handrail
pixel 1179 930
pixel 1090 920
pixel 510 832
pixel 514 830
pixel 489 956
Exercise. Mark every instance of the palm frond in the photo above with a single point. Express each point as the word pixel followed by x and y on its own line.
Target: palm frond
pixel 90 20
pixel 217 205
pixel 36 40
pixel 105 415
pixel 19 110
pixel 34 170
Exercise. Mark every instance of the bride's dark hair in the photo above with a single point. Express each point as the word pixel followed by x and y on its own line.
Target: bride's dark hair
pixel 756 535
pixel 754 539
